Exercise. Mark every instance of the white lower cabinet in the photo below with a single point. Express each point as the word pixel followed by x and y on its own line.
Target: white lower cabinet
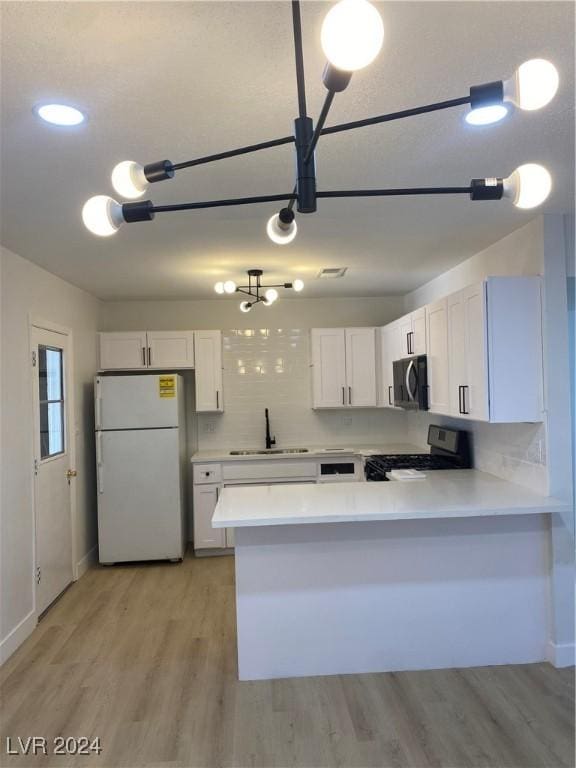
pixel 205 500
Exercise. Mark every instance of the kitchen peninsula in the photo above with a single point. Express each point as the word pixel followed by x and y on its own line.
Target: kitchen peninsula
pixel 449 571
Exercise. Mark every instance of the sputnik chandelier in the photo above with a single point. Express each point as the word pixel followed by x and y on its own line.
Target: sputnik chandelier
pixel 351 37
pixel 267 294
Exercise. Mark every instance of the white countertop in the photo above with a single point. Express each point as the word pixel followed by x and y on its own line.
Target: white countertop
pixel 443 494
pixel 313 452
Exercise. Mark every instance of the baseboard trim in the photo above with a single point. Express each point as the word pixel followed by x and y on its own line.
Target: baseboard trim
pixel 16 637
pixel 561 655
pixel 87 561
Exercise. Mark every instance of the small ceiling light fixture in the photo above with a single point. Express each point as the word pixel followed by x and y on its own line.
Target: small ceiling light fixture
pixel 352 35
pixel 60 114
pixel 258 293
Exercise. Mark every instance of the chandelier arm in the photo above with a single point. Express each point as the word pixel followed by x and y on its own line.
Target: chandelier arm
pixel 319 125
pixel 220 203
pixel 393 192
pixel 233 152
pixel 395 115
pixel 299 55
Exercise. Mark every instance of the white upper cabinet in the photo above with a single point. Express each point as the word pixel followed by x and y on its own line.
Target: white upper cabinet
pixel 123 351
pixel 146 349
pixel 343 367
pixel 170 349
pixel 437 361
pixel 329 368
pixel 388 349
pixel 495 351
pixel 361 366
pixel 208 359
pixel 412 334
pixel 468 371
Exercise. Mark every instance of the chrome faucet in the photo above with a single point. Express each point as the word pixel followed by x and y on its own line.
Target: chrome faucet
pixel 270 441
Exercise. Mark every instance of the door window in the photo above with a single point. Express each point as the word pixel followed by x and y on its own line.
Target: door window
pixel 51 396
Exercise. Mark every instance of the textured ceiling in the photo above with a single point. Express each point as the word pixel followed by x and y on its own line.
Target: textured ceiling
pixel 179 80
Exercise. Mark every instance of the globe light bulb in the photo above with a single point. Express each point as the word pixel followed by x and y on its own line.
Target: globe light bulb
pixel 229 286
pixel 271 296
pixel 219 287
pixel 281 232
pixel 486 115
pixel 352 34
pixel 102 215
pixel 528 186
pixel 128 179
pixel 245 306
pixel 533 85
pixel 298 285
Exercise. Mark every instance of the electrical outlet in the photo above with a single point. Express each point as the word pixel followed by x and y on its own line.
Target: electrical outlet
pixel 209 426
pixel 347 420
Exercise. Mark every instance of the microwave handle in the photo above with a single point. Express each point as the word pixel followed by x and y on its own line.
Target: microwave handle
pixel 411 395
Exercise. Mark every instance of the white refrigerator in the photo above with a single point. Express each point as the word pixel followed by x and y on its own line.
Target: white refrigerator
pixel 140 466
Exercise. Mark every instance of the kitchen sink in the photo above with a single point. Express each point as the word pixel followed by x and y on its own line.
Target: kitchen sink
pixel 266 451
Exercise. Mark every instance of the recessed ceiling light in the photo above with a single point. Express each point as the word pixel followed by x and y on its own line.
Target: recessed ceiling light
pixel 486 115
pixel 60 114
pixel 332 272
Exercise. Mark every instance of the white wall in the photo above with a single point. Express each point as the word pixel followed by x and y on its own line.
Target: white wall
pixel 223 313
pixel 26 289
pixel 515 452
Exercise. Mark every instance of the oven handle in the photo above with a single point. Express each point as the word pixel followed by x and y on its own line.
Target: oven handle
pixel 411 395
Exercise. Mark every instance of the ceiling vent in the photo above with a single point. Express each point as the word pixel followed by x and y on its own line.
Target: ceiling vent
pixel 332 272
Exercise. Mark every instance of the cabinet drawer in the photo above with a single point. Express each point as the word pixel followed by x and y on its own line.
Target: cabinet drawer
pixel 264 470
pixel 207 473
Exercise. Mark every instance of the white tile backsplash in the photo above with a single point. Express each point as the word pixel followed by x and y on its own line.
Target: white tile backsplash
pixel 515 452
pixel 270 368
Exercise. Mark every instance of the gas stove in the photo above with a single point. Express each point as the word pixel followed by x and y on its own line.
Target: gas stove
pixel 449 449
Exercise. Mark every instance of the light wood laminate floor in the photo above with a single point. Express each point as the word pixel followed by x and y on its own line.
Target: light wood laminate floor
pixel 144 657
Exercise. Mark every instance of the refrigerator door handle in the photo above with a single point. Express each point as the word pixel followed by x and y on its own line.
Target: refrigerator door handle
pixel 99 462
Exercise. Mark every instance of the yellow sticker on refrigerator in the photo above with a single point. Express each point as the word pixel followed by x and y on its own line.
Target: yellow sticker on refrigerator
pixel 167 386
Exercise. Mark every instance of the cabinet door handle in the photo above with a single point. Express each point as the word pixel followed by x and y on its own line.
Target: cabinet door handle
pixel 389 395
pixel 149 356
pixel 407 343
pixel 343 395
pixel 460 398
pixel 464 409
pixel 349 395
pixel 217 400
pixel 144 356
pixel 411 343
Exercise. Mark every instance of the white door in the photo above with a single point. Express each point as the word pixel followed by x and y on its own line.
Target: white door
pixel 404 327
pixel 361 367
pixel 206 537
pixel 475 394
pixel 329 368
pixel 137 402
pixel 208 363
pixel 140 513
pixel 123 351
pixel 458 373
pixel 170 349
pixel 418 338
pixel 52 487
pixel 437 352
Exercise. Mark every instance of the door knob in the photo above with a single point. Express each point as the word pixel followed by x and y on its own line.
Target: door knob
pixel 71 473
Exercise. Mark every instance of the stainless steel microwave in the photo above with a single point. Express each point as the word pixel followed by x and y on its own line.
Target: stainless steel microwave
pixel 411 383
